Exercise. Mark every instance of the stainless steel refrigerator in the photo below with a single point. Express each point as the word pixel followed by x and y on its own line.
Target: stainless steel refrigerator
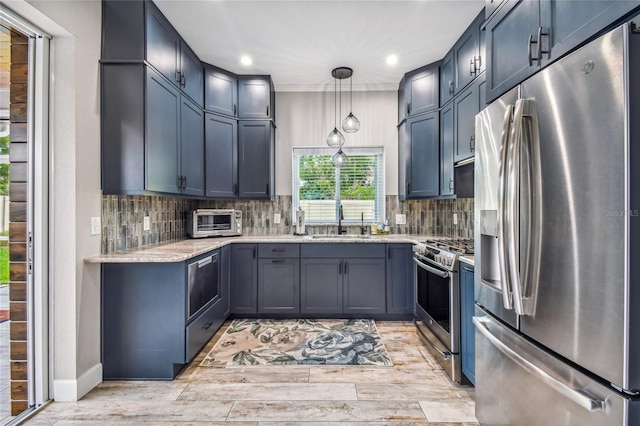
pixel 557 237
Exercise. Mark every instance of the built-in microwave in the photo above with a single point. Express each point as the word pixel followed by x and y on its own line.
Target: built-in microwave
pixel 203 223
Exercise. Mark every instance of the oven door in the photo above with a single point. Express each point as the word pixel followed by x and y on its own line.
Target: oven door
pixel 437 301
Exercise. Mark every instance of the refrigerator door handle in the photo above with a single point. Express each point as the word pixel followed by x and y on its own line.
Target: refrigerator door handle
pixel 503 202
pixel 583 400
pixel 530 208
pixel 513 205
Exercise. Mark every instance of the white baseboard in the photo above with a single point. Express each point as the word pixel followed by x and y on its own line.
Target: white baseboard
pixel 73 390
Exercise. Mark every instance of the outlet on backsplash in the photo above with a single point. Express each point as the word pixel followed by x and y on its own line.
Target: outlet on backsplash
pixel 276 218
pixel 455 218
pixel 401 219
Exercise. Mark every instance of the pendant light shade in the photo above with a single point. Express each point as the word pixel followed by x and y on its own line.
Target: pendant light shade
pixel 340 159
pixel 351 124
pixel 335 138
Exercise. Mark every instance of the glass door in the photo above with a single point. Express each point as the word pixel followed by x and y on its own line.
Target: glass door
pixel 24 76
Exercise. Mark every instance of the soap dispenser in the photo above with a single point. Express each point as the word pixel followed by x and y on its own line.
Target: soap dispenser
pixel 300 222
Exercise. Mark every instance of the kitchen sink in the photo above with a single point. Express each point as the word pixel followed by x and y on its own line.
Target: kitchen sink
pixel 343 236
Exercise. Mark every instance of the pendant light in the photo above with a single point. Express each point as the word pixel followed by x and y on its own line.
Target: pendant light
pixel 351 124
pixel 335 138
pixel 339 159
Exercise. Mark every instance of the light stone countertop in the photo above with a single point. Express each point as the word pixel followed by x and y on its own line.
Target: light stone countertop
pixel 468 259
pixel 186 249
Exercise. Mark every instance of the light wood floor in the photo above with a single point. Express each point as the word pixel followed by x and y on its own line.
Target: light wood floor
pixel 415 391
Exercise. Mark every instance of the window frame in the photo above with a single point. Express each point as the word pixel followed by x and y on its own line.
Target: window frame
pixel 379 201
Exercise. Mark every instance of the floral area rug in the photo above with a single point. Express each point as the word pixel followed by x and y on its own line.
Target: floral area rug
pixel 299 342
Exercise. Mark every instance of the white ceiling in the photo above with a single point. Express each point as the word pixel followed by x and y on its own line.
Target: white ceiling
pixel 300 42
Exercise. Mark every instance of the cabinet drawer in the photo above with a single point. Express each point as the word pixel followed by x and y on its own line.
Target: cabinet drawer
pixel 330 250
pixel 203 328
pixel 276 251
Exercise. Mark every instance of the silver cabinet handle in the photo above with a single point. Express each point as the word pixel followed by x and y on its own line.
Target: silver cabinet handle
pixel 204 262
pixel 451 87
pixel 451 184
pixel 267 110
pixel 576 396
pixel 472 143
pixel 541 33
pixel 531 41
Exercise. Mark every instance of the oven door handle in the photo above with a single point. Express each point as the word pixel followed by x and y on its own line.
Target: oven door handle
pixel 441 274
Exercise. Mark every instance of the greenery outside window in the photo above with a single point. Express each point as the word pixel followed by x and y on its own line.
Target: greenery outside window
pixel 319 187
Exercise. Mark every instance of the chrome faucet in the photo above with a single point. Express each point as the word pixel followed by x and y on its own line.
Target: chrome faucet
pixel 340 219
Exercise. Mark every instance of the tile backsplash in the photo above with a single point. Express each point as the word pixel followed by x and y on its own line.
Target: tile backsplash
pixel 122 218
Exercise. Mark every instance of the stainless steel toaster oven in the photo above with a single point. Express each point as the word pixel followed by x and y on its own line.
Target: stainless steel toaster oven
pixel 203 223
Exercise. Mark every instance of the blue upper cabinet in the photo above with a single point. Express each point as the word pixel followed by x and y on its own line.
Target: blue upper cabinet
pixel 421 90
pixel 464 62
pixel 447 82
pixel 137 31
pixel 170 55
pixel 423 175
pixel 256 159
pixel 256 97
pixel 525 35
pixel 467 56
pixel 220 91
pixel 509 59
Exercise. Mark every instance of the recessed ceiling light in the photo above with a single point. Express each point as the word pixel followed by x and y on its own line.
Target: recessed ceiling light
pixel 392 59
pixel 246 60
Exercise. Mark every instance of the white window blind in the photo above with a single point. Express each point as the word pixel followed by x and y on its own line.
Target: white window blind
pixel 319 188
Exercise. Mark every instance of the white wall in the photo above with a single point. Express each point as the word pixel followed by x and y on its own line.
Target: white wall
pixel 306 118
pixel 76 196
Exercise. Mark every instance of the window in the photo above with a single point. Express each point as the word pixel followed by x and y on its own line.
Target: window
pixel 319 188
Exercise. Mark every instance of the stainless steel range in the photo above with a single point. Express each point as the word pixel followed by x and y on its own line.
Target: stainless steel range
pixel 438 299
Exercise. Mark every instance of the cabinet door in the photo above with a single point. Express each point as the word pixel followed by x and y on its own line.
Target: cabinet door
pixel 424 137
pixel 163 44
pixel 447 84
pixel 446 150
pixel 422 90
pixel 254 97
pixel 244 279
pixel 191 74
pixel 569 23
pixel 225 279
pixel 162 134
pixel 467 331
pixel 467 56
pixel 400 286
pixel 508 45
pixel 220 92
pixel 192 148
pixel 321 286
pixel 467 105
pixel 364 286
pixel 278 286
pixel 221 157
pixel 255 159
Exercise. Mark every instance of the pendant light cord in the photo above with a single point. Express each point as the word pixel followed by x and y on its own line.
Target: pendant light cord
pixel 341 99
pixel 335 104
pixel 351 94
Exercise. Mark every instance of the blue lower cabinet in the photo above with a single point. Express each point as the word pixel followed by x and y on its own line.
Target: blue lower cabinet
pixel 279 286
pixel 244 279
pixel 467 332
pixel 321 285
pixel 147 332
pixel 363 286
